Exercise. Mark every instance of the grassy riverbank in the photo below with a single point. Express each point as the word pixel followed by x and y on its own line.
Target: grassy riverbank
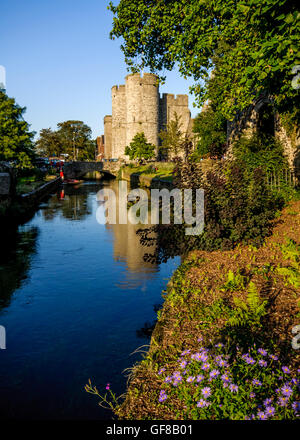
pixel 28 184
pixel 146 175
pixel 246 298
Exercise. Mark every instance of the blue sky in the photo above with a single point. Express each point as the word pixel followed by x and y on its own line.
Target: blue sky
pixel 60 62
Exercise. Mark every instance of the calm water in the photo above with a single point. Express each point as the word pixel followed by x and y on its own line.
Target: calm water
pixel 73 297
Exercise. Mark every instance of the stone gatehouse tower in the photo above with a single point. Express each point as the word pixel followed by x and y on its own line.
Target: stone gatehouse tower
pixel 138 107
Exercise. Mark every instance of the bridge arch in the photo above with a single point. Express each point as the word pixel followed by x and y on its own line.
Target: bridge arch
pixel 77 170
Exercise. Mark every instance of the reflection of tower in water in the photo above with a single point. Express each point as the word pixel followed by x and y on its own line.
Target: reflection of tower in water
pixel 127 246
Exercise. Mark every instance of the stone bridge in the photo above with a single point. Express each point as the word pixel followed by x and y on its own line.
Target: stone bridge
pixel 77 170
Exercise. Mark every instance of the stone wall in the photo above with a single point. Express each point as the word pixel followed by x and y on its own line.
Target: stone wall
pixel 118 95
pixel 247 123
pixel 169 105
pixel 5 184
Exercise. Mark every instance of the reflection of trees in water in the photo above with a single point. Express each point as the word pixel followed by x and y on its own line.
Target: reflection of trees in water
pixel 75 207
pixel 17 249
pixel 165 242
pixel 71 202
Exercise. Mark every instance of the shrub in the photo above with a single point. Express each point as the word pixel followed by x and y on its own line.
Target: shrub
pixel 260 151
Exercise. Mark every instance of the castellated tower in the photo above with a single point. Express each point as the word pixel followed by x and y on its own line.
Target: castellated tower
pixel 142 99
pixel 137 107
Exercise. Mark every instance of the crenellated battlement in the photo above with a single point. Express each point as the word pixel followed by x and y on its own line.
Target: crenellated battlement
pixel 175 99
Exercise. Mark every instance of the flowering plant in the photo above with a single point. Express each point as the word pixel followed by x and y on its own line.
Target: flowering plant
pixel 210 384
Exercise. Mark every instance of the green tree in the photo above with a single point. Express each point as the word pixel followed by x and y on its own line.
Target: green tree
pixel 16 141
pixel 139 148
pixel 172 138
pixel 211 129
pixel 49 143
pixel 75 137
pixel 72 138
pixel 89 151
pixel 252 46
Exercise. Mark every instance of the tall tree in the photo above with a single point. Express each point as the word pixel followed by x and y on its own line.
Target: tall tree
pixel 49 143
pixel 75 136
pixel 72 138
pixel 16 141
pixel 252 46
pixel 172 137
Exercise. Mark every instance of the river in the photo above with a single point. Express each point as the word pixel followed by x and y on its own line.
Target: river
pixel 74 296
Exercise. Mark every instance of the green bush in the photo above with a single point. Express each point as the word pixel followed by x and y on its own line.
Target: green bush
pixel 260 151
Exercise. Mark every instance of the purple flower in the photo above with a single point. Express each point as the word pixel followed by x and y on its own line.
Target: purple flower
pixel 272 356
pixel 203 357
pixel 267 402
pixel 286 370
pixel 162 396
pixel 197 356
pixel 270 411
pixel 262 363
pixel 185 352
pixel 205 366
pixel 202 403
pixel 107 386
pixel 221 362
pixel 214 373
pixel 225 384
pixel 183 364
pixel 233 388
pixel 199 378
pixel 262 352
pixel 286 391
pixel 206 391
pixel 256 382
pixel 261 415
pixel 225 377
pixel 190 379
pixel 161 371
pixel 252 395
pixel 250 360
pixel 219 345
pixel 168 379
pixel 282 401
pixel 177 378
pixel 296 406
